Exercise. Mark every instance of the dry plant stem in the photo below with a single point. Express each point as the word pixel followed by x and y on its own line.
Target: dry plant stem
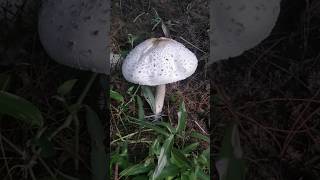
pixel 4 157
pixel 116 169
pixel 159 98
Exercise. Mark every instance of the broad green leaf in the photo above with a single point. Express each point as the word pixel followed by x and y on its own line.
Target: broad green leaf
pixel 148 95
pixel 230 164
pixel 200 136
pixel 182 118
pixel 116 96
pixel 66 87
pixel 136 169
pixel 140 108
pixel 20 109
pixel 98 154
pixel 163 157
pixel 179 159
pixel 191 147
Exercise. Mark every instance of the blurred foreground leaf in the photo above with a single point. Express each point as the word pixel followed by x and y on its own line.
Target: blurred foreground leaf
pixel 230 164
pixel 99 166
pixel 66 87
pixel 20 109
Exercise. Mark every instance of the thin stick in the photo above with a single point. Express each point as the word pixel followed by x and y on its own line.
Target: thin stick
pixel 192 45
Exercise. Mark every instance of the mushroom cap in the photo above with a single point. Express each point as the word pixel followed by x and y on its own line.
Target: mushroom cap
pixel 75 33
pixel 159 61
pixel 239 25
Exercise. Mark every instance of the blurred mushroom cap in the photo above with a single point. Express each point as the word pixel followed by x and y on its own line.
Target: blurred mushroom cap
pixel 239 25
pixel 75 33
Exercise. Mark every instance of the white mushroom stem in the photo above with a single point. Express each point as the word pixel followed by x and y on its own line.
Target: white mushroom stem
pixel 159 98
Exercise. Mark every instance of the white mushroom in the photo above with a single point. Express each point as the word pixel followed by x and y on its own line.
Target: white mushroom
pixel 75 33
pixel 157 62
pixel 239 25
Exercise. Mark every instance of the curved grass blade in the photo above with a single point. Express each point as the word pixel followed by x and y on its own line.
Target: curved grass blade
pixel 182 118
pixel 136 169
pixel 190 148
pixel 148 95
pixel 164 157
pixel 179 159
pixel 200 136
pixel 140 108
pixel 151 126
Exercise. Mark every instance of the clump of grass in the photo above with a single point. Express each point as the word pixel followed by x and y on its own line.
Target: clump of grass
pixel 170 152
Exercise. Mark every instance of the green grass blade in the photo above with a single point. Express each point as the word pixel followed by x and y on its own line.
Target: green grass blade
pixel 182 118
pixel 166 125
pixel 98 155
pixel 200 136
pixel 140 108
pixel 116 96
pixel 136 169
pixel 201 175
pixel 191 147
pixel 152 126
pixel 170 170
pixel 179 159
pixel 20 109
pixel 148 95
pixel 163 158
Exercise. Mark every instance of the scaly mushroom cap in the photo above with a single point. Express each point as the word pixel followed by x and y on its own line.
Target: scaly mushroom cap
pixel 239 25
pixel 75 33
pixel 159 61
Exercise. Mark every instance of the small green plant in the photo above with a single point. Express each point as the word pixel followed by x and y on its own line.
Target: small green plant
pixel 169 156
